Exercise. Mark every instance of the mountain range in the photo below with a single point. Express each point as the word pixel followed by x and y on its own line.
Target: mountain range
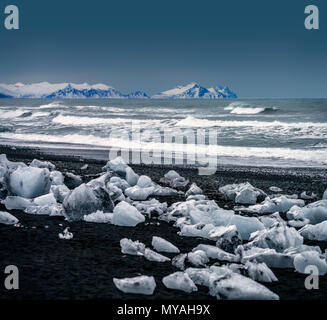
pixel 102 91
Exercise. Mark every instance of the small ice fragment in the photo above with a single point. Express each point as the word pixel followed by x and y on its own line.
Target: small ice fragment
pixel 138 285
pixel 162 245
pixel 66 235
pixel 7 218
pixel 126 215
pixel 179 281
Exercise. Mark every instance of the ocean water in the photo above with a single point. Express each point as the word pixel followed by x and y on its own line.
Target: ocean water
pixel 260 132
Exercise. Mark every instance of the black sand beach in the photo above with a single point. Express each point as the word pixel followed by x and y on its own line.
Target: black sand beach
pixel 83 268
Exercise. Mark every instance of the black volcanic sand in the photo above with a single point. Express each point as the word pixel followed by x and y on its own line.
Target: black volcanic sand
pixel 83 268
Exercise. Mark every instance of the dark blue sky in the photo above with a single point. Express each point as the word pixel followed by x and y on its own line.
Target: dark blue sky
pixel 258 48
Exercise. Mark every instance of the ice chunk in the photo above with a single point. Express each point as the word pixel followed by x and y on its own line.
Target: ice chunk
pixel 194 190
pixel 115 193
pixel 255 271
pixel 117 165
pixel 17 203
pixel 310 258
pixel 216 253
pixel 173 179
pixel 315 212
pixel 84 167
pixel 197 230
pixel 120 183
pixel 144 182
pixel 270 220
pixel 131 177
pixel 9 164
pixel 302 248
pixel 278 204
pixel 154 256
pixel 228 237
pixel 43 165
pixel 233 286
pixel 126 215
pixel 47 210
pixel 200 276
pixel 66 235
pixel 243 193
pixel 275 189
pixel 84 200
pixel 47 199
pixel 72 181
pixel 179 281
pixel 197 258
pixel 28 182
pixel 60 192
pixel 179 261
pixel 98 217
pixel 298 223
pixel 57 178
pixel 308 196
pixel 196 197
pixel 7 218
pixel 164 191
pixel 279 237
pixel 316 232
pixel 138 285
pixel 270 257
pixel 162 245
pixel 134 248
pixel 150 207
pixel 324 196
pixel 137 193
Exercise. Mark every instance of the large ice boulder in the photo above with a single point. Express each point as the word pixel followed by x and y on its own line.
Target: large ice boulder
pixel 316 232
pixel 310 258
pixel 7 218
pixel 117 165
pixel 137 285
pixel 98 217
pixel 138 193
pixel 29 182
pixel 255 271
pixel 179 281
pixel 225 284
pixel 126 215
pixel 279 237
pixel 278 204
pixel 315 212
pixel 243 193
pixel 84 200
pixel 173 179
pixel 43 165
pixel 162 245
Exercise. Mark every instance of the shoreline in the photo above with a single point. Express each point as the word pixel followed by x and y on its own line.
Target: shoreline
pixel 83 268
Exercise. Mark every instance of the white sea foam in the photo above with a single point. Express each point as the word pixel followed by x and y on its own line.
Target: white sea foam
pixel 52 105
pixel 317 155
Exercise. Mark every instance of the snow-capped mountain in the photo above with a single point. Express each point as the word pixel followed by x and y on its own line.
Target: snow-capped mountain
pixel 195 91
pixel 102 91
pixel 65 90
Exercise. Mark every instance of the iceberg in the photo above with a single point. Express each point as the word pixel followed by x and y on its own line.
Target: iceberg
pixel 137 285
pixel 316 232
pixel 154 256
pixel 84 200
pixel 137 193
pixel 315 212
pixel 197 258
pixel 179 261
pixel 216 253
pixel 310 258
pixel 193 190
pixel 98 217
pixel 256 271
pixel 134 248
pixel 66 235
pixel 7 218
pixel 126 215
pixel 162 245
pixel 279 237
pixel 243 193
pixel 29 182
pixel 179 281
